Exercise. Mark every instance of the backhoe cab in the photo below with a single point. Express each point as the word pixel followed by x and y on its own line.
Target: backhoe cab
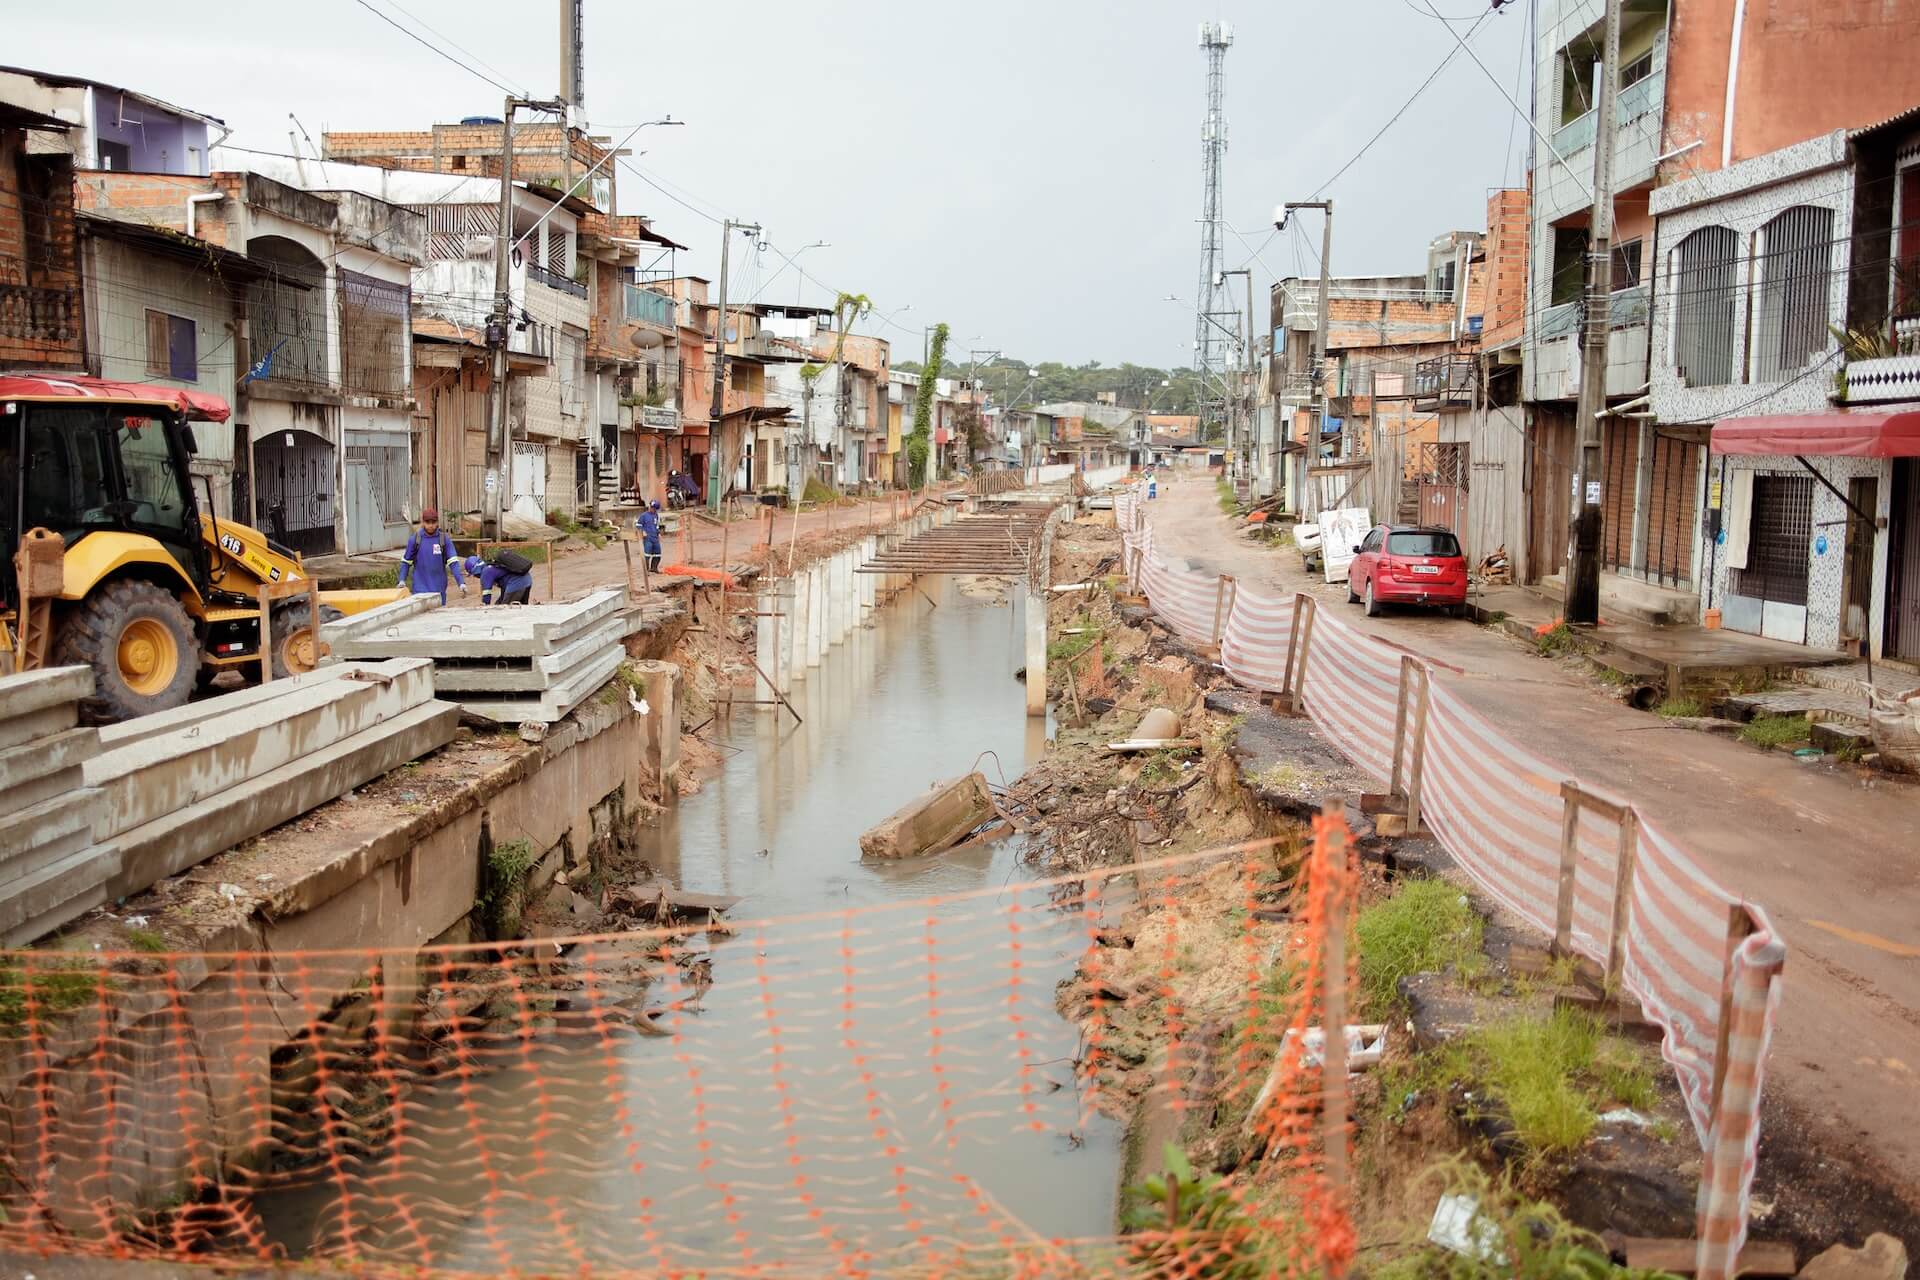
pixel 156 595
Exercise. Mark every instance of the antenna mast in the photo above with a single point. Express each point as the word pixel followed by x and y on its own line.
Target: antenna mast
pixel 1216 320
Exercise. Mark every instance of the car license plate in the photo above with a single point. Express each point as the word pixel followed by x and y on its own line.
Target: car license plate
pixel 1424 568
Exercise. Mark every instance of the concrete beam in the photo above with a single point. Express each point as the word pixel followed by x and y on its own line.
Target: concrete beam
pixel 518 631
pixel 552 703
pixel 151 778
pixel 251 699
pixel 532 676
pixel 660 736
pixel 186 837
pixel 29 692
pixel 40 770
pixel 1036 629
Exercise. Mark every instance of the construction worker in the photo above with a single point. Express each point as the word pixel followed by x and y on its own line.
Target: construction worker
pixel 504 587
pixel 429 558
pixel 649 526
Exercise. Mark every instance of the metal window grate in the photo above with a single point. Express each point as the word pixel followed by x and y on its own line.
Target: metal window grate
pixel 1706 302
pixel 1777 545
pixel 1792 267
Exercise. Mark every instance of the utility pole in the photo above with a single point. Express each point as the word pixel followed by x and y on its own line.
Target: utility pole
pixel 1317 369
pixel 716 440
pixel 1243 447
pixel 1582 604
pixel 498 322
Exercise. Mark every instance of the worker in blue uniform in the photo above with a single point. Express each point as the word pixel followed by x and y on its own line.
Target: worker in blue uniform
pixel 430 558
pixel 649 526
pixel 503 587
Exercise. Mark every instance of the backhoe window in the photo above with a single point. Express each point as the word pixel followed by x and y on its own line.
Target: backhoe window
pixel 67 475
pixel 153 483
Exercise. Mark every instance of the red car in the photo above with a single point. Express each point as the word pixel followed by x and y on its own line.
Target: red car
pixel 1408 564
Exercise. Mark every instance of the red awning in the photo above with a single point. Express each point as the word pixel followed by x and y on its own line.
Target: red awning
pixel 1845 435
pixel 196 405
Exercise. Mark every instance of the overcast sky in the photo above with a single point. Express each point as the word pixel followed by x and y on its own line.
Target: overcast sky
pixel 1026 170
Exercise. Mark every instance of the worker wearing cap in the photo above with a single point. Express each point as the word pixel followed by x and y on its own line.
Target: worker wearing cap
pixel 649 526
pixel 503 587
pixel 430 558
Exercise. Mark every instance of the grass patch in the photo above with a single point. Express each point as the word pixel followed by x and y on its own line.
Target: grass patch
pixel 1611 676
pixel 1552 1074
pixel 503 897
pixel 1068 647
pixel 1775 731
pixel 379 580
pixel 1229 501
pixel 1280 777
pixel 1554 641
pixel 1426 925
pixel 48 990
pixel 1681 708
pixel 148 940
pixel 818 492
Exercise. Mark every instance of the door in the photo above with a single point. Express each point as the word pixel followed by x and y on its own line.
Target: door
pixel 1549 486
pixel 1443 486
pixel 1769 595
pixel 1673 483
pixel 1361 570
pixel 1620 475
pixel 530 472
pixel 379 481
pixel 1856 591
pixel 1903 565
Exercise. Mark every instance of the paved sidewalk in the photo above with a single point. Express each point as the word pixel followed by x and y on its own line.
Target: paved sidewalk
pixel 1834 859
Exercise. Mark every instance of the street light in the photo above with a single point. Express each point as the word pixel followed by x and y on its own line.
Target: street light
pixel 793 260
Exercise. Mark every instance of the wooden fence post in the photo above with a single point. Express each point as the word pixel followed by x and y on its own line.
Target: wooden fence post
pixel 1220 606
pixel 1400 725
pixel 1569 859
pixel 1739 928
pixel 1297 679
pixel 1418 763
pixel 1622 898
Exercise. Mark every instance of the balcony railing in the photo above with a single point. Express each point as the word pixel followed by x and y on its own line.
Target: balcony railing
pixel 1444 382
pixel 1883 378
pixel 645 306
pixel 1625 308
pixel 554 280
pixel 29 313
pixel 1629 104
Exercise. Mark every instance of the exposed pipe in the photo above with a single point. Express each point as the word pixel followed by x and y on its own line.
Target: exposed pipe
pixel 1733 81
pixel 207 197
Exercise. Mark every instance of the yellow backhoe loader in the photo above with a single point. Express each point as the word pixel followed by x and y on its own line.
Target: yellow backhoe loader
pixel 154 592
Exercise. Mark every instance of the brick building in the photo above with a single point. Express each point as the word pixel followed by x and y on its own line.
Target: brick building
pixel 40 306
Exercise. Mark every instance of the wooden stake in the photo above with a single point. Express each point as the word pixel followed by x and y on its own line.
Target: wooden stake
pixel 1622 898
pixel 1739 928
pixel 1419 753
pixel 1569 860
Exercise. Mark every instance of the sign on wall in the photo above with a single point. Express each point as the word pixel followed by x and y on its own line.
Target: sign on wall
pixel 1340 532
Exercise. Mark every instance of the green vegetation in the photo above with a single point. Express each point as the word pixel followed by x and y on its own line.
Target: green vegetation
pixel 1517 1238
pixel 1195 1224
pixel 1426 925
pixel 503 894
pixel 50 988
pixel 1611 676
pixel 1552 1074
pixel 1134 386
pixel 148 940
pixel 1554 641
pixel 1229 501
pixel 920 441
pixel 1775 731
pixel 380 579
pixel 1681 708
pixel 818 493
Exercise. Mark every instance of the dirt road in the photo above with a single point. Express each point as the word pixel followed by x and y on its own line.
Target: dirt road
pixel 1833 856
pixel 702 544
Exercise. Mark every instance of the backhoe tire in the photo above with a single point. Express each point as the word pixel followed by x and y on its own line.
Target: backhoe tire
pixel 139 642
pixel 292 648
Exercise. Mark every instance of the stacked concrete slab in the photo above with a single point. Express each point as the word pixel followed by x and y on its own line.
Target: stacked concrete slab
pixel 47 856
pixel 512 665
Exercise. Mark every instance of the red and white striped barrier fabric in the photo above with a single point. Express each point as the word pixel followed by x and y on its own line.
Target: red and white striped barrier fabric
pixel 1499 812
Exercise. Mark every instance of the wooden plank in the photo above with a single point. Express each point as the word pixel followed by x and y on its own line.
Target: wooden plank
pixel 1622 898
pixel 1419 756
pixel 1130 745
pixel 1616 1017
pixel 1757 1258
pixel 1400 726
pixel 1569 859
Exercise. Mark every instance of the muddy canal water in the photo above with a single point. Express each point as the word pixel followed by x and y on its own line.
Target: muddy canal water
pixel 879 1074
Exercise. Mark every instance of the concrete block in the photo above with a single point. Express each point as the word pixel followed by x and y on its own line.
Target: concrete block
pixel 552 703
pixel 661 733
pixel 517 631
pixel 44 825
pixel 535 675
pixel 36 725
pixel 148 779
pixel 189 836
pixel 115 736
pixel 356 624
pixel 37 904
pixel 30 762
pixel 932 822
pixel 32 691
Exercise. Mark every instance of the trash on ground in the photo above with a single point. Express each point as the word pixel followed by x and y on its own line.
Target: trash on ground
pixel 1459 1226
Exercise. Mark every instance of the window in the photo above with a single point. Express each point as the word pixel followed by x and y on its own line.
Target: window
pixel 1626 265
pixel 1371 542
pixel 1792 254
pixel 1637 70
pixel 173 347
pixel 1906 244
pixel 117 156
pixel 1569 265
pixel 1705 306
pixel 1423 544
pixel 153 484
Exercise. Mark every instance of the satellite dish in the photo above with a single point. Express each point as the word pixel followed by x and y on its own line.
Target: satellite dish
pixel 647 339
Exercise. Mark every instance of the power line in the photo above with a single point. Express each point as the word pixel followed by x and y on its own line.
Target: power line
pixel 422 40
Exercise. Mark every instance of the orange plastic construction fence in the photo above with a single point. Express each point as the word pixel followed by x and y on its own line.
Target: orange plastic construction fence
pixel 941 1087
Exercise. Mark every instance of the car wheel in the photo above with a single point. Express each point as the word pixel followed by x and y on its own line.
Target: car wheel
pixel 1373 606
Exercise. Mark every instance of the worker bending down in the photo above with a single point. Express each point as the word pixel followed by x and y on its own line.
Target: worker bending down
pixel 429 558
pixel 503 585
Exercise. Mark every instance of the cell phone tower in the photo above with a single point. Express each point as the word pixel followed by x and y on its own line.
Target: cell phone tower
pixel 1215 317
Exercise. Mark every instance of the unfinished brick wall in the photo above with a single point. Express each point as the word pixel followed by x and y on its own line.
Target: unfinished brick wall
pixel 42 322
pixel 158 199
pixel 539 150
pixel 1505 268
